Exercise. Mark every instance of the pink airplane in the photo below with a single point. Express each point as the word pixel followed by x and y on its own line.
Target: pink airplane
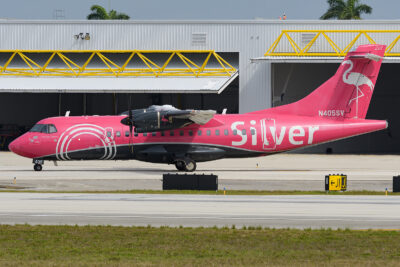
pixel 164 134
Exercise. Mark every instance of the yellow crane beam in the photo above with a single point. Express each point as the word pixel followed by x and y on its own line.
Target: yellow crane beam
pixel 390 38
pixel 63 63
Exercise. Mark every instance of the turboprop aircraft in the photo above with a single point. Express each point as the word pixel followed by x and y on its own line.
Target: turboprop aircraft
pixel 164 134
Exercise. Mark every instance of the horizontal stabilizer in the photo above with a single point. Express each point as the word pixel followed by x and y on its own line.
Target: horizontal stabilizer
pixel 368 56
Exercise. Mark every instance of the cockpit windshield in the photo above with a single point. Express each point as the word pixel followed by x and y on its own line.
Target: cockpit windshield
pixel 43 128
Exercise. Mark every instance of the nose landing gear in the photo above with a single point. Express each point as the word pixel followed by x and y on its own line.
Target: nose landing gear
pixel 38 164
pixel 187 165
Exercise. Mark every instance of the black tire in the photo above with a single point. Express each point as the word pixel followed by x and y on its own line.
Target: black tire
pixel 180 165
pixel 190 166
pixel 37 167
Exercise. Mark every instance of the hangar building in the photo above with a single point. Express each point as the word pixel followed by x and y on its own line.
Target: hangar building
pixel 95 67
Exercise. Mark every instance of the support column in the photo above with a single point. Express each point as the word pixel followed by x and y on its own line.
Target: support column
pixel 114 104
pixel 59 104
pixel 84 104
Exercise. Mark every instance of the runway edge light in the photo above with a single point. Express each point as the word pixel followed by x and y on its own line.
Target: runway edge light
pixel 335 182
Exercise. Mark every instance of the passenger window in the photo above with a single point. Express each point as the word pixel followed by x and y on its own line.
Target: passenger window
pixel 226 132
pixel 199 132
pixel 127 133
pixel 136 134
pixel 118 134
pixel 171 133
pixel 181 132
pixel 153 133
pixel 235 132
pixel 253 132
pixel 244 132
pixel 208 132
pixel 108 134
pixel 217 132
pixel 52 128
pixel 190 133
pixel 144 134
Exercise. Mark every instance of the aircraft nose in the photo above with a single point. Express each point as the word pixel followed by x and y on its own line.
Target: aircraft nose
pixel 15 146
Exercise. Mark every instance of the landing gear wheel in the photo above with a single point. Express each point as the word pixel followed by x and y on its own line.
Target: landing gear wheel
pixel 37 167
pixel 190 166
pixel 180 165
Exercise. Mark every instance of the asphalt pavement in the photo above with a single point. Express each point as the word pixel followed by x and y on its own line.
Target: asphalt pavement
pixel 276 172
pixel 302 211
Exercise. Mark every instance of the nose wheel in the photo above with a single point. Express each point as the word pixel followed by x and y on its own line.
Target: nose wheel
pixel 186 165
pixel 38 164
pixel 37 167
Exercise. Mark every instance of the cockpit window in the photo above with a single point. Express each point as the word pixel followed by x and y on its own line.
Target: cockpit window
pixel 37 128
pixel 52 128
pixel 43 128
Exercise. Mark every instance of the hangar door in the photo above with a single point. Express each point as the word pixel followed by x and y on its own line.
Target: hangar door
pixel 293 81
pixel 39 84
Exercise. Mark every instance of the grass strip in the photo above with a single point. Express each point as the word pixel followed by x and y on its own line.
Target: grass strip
pixel 219 192
pixel 24 245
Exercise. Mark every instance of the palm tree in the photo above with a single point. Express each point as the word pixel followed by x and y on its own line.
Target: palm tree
pixel 99 12
pixel 342 9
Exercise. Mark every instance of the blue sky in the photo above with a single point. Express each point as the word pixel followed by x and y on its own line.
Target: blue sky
pixel 190 9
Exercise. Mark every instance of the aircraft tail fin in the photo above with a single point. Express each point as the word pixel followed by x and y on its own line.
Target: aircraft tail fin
pixel 348 93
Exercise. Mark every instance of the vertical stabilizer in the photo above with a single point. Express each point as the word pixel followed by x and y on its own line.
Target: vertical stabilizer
pixel 348 93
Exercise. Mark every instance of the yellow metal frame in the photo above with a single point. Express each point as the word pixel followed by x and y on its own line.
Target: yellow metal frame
pixel 112 69
pixel 337 51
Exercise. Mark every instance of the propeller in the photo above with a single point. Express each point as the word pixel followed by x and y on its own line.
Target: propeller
pixel 129 120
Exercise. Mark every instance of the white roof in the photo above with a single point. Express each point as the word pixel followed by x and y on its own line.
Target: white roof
pixel 115 85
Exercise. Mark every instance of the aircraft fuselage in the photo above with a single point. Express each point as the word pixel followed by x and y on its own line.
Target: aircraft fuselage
pixel 225 136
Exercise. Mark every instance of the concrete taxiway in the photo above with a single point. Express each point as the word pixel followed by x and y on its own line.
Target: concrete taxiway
pixel 354 212
pixel 277 172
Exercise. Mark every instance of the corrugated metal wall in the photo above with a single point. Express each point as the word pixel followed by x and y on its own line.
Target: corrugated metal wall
pixel 250 38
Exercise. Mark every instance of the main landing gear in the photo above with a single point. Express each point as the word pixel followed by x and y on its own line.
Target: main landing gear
pixel 187 165
pixel 38 164
pixel 37 167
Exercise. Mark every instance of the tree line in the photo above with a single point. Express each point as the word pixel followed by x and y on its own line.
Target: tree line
pixel 338 9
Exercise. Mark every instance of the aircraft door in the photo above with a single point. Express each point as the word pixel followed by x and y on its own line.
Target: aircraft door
pixel 109 134
pixel 268 134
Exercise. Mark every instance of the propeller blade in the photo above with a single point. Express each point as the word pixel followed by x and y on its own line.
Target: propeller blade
pixel 130 115
pixel 130 119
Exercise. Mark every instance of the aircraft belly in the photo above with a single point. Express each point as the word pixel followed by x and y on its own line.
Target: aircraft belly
pixel 86 154
pixel 168 153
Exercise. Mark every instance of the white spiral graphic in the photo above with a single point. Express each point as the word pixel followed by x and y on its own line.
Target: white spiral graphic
pixel 62 148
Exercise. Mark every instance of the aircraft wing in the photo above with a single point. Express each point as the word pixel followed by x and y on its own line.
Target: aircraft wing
pixel 167 117
pixel 197 116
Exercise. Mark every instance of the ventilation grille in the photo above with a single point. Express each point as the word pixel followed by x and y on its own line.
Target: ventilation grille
pixel 199 39
pixel 306 38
